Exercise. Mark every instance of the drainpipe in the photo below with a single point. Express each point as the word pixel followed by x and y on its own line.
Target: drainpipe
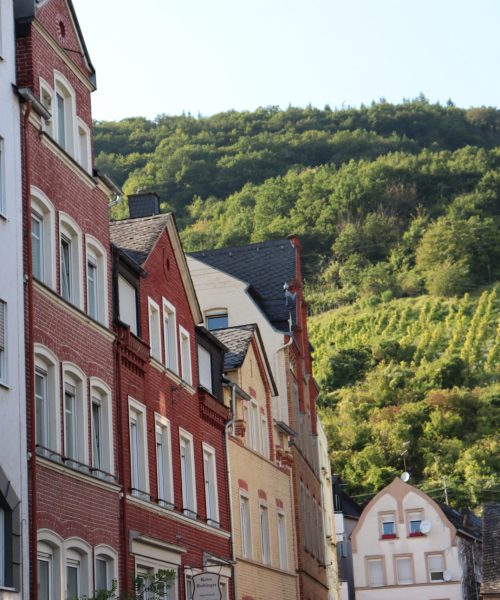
pixel 30 392
pixel 227 427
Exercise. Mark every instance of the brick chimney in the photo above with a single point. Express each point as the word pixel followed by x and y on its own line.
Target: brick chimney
pixel 145 204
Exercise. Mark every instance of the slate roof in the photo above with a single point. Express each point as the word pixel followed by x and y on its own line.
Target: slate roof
pixel 237 340
pixel 137 237
pixel 491 549
pixel 464 520
pixel 266 267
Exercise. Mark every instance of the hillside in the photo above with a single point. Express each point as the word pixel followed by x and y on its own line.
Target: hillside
pixel 416 374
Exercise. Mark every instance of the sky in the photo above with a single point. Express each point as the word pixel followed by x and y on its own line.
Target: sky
pixel 206 56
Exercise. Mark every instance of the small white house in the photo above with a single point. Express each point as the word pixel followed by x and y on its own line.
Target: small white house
pixel 13 459
pixel 408 546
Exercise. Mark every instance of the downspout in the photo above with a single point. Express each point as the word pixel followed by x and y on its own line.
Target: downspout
pixel 227 426
pixel 30 393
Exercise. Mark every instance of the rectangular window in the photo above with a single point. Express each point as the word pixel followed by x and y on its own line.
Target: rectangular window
pixel 138 449
pixel 61 121
pixel 246 540
pixel 264 437
pixel 42 408
pixel 436 567
pixel 210 475
pixel 219 321
pixel 264 535
pixel 170 338
pixel 73 580
pixel 37 245
pixel 404 570
pixel 92 290
pixel 66 268
pixel 154 329
pixel 185 355
pixel 97 439
pixel 254 426
pixel 44 578
pixel 101 574
pixel 376 572
pixel 205 368
pixel 3 341
pixel 70 422
pixel 127 304
pixel 388 525
pixel 282 547
pixel 414 522
pixel 164 463
pixel 187 474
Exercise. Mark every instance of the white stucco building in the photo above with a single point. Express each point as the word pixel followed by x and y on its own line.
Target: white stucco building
pixel 13 459
pixel 406 545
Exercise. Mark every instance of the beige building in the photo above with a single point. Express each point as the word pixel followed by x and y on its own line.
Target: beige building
pixel 261 493
pixel 406 545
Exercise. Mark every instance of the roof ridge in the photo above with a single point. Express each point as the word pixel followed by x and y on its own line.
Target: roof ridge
pixel 268 243
pixel 137 219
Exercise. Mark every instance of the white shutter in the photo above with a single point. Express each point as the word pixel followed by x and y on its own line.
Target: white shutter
pixel 376 572
pixel 405 570
pixel 127 303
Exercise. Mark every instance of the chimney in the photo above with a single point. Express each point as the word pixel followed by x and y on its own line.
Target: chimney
pixel 145 204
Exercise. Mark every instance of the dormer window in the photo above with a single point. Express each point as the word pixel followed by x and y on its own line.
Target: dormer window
pixel 217 319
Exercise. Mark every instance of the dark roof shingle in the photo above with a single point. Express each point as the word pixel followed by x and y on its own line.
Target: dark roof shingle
pixel 266 267
pixel 237 340
pixel 491 549
pixel 137 237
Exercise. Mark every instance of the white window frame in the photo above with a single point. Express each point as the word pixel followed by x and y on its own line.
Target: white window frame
pixel 78 552
pixel 185 352
pixel 3 342
pixel 388 517
pixel 154 327
pixel 265 536
pixel 44 210
pixel 414 516
pixel 100 393
pixel 216 312
pixel 281 524
pixel 64 89
pixel 125 285
pixel 139 465
pixel 170 336
pixel 83 145
pixel 150 566
pixel 3 199
pixel 188 473
pixel 164 470
pixel 264 436
pixel 109 554
pixel 47 100
pixel 74 376
pixel 47 362
pixel 50 549
pixel 404 557
pixel 98 256
pixel 245 525
pixel 71 232
pixel 204 377
pixel 210 485
pixel 430 571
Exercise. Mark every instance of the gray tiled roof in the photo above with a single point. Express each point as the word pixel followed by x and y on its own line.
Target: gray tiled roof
pixel 491 549
pixel 265 267
pixel 236 340
pixel 137 237
pixel 464 520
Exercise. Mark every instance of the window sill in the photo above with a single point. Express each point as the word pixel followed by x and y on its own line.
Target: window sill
pixel 5 386
pixel 416 534
pixel 389 536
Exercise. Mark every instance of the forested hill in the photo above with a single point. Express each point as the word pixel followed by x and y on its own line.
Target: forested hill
pixel 398 209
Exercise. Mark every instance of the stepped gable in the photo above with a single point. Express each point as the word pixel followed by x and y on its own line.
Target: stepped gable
pixel 266 267
pixel 491 550
pixel 237 340
pixel 137 237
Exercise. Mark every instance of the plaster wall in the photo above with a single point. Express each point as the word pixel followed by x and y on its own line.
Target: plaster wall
pixel 13 458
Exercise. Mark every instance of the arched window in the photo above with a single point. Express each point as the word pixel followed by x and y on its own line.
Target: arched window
pixel 50 576
pixel 77 568
pixel 105 568
pixel 47 402
pixel 97 280
pixel 70 259
pixel 43 238
pixel 84 152
pixel 64 114
pixel 102 428
pixel 75 416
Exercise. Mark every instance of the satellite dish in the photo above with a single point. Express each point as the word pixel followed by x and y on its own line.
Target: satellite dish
pixel 425 526
pixel 405 476
pixel 447 575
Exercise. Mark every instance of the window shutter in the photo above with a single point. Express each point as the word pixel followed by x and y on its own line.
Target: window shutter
pixel 3 325
pixel 205 368
pixel 405 571
pixel 436 562
pixel 375 573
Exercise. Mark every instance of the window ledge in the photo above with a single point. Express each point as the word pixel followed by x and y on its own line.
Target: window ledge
pixel 389 536
pixel 5 386
pixel 3 217
pixel 416 534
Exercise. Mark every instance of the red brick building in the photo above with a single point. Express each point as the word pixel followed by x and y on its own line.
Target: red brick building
pixel 71 401
pixel 172 416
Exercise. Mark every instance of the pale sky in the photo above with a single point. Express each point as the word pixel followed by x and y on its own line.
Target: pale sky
pixel 208 56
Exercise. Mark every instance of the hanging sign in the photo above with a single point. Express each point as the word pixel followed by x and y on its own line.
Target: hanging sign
pixel 206 586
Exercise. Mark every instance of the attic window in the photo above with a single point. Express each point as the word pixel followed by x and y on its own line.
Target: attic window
pixel 61 29
pixel 217 320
